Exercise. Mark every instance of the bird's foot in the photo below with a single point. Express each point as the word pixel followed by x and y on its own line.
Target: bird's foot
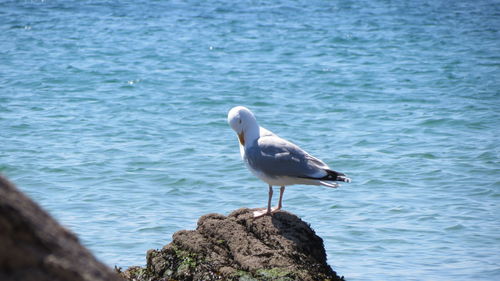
pixel 275 209
pixel 263 212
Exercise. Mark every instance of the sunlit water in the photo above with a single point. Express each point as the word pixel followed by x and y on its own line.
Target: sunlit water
pixel 112 117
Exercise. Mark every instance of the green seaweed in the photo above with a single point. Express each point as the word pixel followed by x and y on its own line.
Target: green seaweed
pixel 244 276
pixel 274 274
pixel 188 260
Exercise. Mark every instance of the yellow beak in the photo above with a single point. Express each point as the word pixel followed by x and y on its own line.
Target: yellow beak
pixel 241 137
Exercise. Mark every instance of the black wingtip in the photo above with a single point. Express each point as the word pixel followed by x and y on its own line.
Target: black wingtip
pixel 331 176
pixel 336 176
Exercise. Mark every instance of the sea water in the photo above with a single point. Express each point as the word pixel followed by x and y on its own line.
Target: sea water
pixel 113 118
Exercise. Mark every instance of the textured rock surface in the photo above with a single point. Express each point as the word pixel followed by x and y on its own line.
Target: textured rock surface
pixel 33 246
pixel 239 247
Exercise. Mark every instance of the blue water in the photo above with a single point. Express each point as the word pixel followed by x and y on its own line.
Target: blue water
pixel 113 118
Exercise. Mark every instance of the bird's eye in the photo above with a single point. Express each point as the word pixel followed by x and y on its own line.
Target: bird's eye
pixel 240 121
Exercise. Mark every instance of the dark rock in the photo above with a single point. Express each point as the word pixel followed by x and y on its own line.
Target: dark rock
pixel 239 247
pixel 33 246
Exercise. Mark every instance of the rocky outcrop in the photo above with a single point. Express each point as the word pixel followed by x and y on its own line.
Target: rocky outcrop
pixel 239 247
pixel 33 246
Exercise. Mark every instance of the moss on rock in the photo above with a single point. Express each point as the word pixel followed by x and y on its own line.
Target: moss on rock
pixel 281 247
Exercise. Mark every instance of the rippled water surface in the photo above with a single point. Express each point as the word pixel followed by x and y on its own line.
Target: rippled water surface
pixel 113 118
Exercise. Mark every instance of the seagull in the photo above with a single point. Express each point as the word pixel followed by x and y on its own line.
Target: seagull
pixel 277 161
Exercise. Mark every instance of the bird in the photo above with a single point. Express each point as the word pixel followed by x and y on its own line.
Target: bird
pixel 277 161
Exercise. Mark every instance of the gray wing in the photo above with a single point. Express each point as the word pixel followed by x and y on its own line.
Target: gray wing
pixel 275 156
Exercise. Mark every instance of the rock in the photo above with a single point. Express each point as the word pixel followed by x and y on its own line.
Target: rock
pixel 239 247
pixel 33 246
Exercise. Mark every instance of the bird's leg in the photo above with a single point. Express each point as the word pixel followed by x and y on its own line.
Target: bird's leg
pixel 282 190
pixel 269 200
pixel 257 214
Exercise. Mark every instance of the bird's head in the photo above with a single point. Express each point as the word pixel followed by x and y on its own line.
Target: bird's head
pixel 241 119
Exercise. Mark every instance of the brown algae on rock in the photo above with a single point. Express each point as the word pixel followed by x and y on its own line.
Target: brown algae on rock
pixel 239 247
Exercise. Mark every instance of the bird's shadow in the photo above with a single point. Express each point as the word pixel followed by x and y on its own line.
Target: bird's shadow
pixel 291 226
pixel 304 238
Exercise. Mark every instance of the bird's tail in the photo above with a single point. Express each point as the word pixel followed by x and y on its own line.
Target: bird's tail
pixel 330 176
